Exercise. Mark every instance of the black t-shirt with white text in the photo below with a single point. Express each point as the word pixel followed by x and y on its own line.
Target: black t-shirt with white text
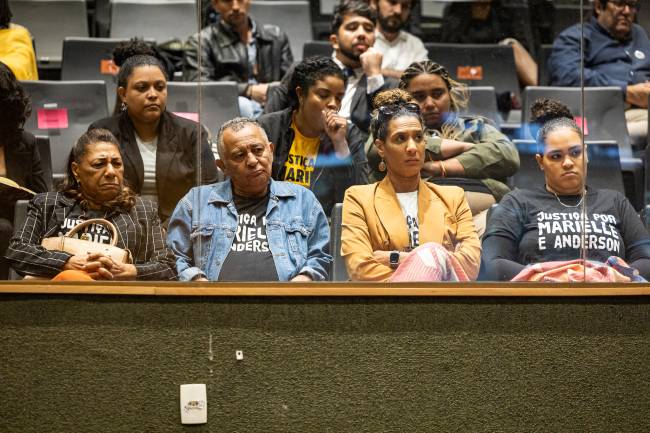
pixel 95 232
pixel 250 258
pixel 532 226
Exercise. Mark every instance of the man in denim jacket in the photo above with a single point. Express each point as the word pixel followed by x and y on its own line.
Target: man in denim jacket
pixel 249 228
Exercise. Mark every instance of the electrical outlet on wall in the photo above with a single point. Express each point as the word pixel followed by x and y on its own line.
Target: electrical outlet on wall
pixel 194 404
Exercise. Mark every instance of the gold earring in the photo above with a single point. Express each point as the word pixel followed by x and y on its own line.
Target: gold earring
pixel 382 165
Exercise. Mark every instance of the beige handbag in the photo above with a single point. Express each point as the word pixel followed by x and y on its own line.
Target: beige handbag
pixel 83 246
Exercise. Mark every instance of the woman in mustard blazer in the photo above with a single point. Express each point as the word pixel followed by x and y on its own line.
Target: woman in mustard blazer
pixel 384 221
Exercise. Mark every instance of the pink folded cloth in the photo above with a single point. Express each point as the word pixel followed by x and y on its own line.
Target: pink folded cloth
pixel 429 262
pixel 616 270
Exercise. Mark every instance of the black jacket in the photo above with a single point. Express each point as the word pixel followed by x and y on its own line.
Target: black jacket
pixel 225 58
pixel 277 99
pixel 23 162
pixel 176 156
pixel 330 182
pixel 139 231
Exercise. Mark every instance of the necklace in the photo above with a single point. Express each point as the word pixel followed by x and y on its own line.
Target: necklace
pixel 582 197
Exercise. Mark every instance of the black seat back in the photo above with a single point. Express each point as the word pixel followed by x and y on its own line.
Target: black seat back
pixel 603 172
pixel 62 111
pixel 338 271
pixel 478 64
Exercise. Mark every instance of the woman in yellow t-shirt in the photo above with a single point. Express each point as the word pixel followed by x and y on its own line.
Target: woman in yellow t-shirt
pixel 16 48
pixel 314 146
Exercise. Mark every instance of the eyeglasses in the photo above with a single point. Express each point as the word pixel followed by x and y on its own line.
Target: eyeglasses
pixel 387 112
pixel 620 4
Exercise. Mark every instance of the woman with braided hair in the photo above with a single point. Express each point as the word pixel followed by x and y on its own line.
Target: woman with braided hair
pixel 466 151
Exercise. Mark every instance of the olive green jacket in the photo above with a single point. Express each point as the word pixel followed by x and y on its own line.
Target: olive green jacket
pixel 492 160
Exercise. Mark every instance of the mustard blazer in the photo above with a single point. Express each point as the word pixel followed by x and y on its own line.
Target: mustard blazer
pixel 373 220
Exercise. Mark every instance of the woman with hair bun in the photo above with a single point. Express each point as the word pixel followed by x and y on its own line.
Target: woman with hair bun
pixel 391 226
pixel 558 220
pixel 160 149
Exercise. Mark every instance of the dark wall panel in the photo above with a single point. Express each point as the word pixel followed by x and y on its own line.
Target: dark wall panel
pixel 114 364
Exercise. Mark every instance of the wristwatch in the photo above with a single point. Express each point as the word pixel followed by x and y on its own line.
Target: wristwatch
pixel 394 259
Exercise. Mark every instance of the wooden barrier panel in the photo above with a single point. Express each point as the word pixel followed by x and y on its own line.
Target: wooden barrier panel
pixel 111 357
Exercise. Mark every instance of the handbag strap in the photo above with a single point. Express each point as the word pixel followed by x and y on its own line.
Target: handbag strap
pixel 101 221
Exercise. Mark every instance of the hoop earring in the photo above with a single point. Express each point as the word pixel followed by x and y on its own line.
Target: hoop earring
pixel 382 165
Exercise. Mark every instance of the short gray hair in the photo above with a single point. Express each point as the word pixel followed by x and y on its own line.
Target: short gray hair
pixel 237 124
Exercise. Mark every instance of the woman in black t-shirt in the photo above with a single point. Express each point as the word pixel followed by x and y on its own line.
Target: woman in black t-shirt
pixel 547 223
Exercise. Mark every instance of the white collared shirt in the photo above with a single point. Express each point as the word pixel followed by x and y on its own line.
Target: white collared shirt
pixel 401 52
pixel 373 84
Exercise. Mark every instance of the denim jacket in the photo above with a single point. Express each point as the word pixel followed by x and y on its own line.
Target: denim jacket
pixel 204 224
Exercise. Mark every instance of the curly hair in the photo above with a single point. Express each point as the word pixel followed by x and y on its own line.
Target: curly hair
pixel 550 115
pixel 397 101
pixel 130 48
pixel 310 70
pixel 72 188
pixel 15 106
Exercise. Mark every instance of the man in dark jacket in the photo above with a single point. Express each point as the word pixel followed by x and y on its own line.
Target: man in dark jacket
pixel 239 48
pixel 352 38
pixel 616 53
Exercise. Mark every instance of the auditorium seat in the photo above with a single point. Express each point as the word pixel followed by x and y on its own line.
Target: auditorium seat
pixel 161 20
pixel 91 59
pixel 483 102
pixel 20 215
pixel 478 64
pixel 543 77
pixel 43 144
pixel 62 111
pixel 292 16
pixel 219 102
pixel 316 48
pixel 49 22
pixel 603 171
pixel 338 271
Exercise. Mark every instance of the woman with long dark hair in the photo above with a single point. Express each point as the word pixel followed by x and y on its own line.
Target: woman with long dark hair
pixel 20 160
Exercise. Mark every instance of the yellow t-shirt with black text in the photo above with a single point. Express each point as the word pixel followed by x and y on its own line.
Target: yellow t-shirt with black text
pixel 300 163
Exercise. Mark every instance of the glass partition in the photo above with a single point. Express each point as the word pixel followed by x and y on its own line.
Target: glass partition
pixel 332 180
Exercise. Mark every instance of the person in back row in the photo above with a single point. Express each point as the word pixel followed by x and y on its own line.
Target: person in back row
pixel 547 223
pixel 16 46
pixel 159 148
pixel 314 146
pixel 239 48
pixel 250 227
pixel 610 50
pixel 352 38
pixel 398 47
pixel 466 151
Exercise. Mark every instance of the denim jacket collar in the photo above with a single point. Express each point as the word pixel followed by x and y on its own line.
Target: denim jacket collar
pixel 222 191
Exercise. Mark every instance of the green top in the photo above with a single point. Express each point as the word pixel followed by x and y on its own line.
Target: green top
pixel 492 159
